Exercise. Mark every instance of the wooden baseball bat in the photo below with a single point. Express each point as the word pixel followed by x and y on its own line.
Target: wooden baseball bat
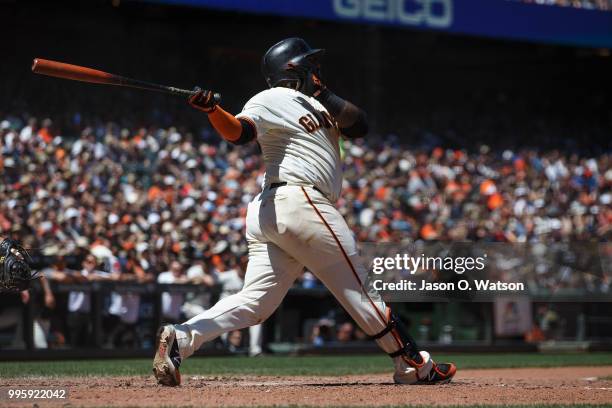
pixel 84 74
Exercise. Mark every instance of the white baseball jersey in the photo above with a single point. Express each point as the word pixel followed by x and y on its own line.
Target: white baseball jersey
pixel 298 139
pixel 296 226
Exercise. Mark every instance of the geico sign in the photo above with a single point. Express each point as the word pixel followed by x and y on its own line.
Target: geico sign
pixel 434 13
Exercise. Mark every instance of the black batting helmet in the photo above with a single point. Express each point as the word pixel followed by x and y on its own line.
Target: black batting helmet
pixel 279 63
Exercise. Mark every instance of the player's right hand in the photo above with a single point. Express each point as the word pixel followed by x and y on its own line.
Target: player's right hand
pixel 203 100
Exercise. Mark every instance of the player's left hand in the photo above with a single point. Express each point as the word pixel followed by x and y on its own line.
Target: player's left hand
pixel 203 100
pixel 312 86
pixel 317 85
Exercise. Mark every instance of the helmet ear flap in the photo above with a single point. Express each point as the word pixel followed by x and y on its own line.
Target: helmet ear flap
pixel 293 80
pixel 288 83
pixel 299 70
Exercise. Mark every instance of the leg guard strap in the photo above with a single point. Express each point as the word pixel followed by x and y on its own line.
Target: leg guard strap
pixel 398 353
pixel 390 326
pixel 409 347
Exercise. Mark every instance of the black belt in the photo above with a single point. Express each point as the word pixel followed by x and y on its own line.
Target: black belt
pixel 276 185
pixel 284 183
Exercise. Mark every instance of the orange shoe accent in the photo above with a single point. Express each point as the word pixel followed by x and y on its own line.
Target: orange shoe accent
pixel 451 372
pixel 436 376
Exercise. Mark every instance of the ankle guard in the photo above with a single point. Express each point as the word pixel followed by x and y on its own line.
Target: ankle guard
pixel 409 348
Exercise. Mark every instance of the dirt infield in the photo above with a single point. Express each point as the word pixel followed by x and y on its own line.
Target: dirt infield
pixel 492 387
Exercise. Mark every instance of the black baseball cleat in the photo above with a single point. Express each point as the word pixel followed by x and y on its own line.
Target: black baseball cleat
pixel 167 358
pixel 441 373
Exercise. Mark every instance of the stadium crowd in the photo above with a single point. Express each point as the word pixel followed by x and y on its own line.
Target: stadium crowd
pixel 168 205
pixel 152 196
pixel 585 4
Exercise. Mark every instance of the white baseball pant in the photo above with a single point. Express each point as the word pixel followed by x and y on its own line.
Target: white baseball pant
pixel 289 228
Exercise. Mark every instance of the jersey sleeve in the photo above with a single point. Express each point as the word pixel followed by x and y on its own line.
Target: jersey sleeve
pixel 260 116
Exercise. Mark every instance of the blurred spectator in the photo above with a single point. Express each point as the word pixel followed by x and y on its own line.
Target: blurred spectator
pixel 11 316
pixel 43 311
pixel 123 311
pixel 585 4
pixel 79 302
pixel 345 332
pixel 234 341
pixel 231 281
pixel 196 303
pixel 172 302
pixel 322 332
pixel 59 272
pixel 549 321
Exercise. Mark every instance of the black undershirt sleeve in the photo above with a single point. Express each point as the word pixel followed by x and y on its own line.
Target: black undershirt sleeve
pixel 247 135
pixel 352 120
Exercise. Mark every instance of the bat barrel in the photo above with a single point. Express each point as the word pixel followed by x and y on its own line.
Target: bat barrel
pixel 74 72
pixel 84 74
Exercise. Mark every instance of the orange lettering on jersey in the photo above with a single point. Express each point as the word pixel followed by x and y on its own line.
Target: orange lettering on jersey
pixel 312 122
pixel 329 121
pixel 315 119
pixel 308 123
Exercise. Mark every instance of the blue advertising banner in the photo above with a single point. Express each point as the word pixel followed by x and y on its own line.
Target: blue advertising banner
pixel 492 18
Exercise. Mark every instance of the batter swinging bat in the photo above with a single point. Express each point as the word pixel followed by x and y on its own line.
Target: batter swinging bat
pixel 84 74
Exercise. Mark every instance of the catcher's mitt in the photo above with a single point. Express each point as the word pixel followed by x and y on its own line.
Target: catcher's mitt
pixel 15 272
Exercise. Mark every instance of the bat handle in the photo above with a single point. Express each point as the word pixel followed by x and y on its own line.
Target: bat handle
pixel 178 91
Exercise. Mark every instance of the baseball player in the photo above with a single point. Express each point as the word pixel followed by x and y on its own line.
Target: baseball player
pixel 293 224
